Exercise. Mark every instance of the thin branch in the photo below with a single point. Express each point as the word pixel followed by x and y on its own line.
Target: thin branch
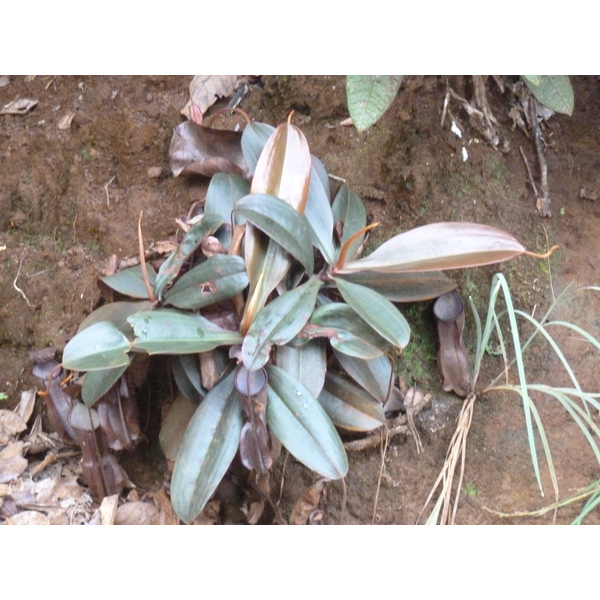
pixel 17 287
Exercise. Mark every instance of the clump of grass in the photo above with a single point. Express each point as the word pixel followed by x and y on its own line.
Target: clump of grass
pixel 576 401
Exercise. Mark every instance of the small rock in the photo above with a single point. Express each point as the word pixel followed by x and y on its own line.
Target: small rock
pixel 154 172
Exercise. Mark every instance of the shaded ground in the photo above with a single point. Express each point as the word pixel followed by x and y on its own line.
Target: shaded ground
pixel 71 198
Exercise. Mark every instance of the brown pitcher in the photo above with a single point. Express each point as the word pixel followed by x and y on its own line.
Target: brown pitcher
pixel 452 356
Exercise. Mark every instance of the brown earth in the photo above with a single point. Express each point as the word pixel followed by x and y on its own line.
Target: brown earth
pixel 71 198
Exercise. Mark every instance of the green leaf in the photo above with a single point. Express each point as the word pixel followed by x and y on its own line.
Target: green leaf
pixel 254 138
pixel 404 287
pixel 369 96
pixel 553 91
pixel 300 423
pixel 346 331
pixel 130 282
pixel 186 371
pixel 374 375
pixel 99 346
pixel 207 449
pixel 279 322
pixel 174 425
pixel 222 194
pixel 318 213
pixel 378 312
pixel 280 222
pixel 349 210
pixel 349 406
pixel 306 364
pixel 169 331
pixel 97 383
pixel 117 313
pixel 218 278
pixel 192 239
pixel 439 246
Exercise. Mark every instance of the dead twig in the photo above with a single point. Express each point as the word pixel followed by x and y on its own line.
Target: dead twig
pixel 383 447
pixel 17 287
pixel 543 203
pixel 106 190
pixel 532 183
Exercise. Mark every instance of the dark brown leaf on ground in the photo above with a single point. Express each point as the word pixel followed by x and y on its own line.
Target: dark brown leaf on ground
pixel 204 151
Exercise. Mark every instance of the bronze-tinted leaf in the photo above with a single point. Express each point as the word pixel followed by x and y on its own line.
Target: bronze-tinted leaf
pixel 283 170
pixel 284 166
pixel 439 246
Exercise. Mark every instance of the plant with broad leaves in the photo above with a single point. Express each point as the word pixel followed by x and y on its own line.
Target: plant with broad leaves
pixel 278 332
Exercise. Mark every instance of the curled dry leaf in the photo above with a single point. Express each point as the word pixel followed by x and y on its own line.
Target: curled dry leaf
pixel 137 513
pixel 28 517
pixel 12 463
pixel 308 502
pixel 26 405
pixel 205 89
pixel 204 151
pixel 19 106
pixel 66 120
pixel 210 515
pixel 11 424
pixel 167 515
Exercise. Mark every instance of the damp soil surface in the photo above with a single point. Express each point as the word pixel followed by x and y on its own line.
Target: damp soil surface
pixel 70 198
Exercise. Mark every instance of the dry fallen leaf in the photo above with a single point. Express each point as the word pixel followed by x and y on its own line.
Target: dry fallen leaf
pixel 11 424
pixel 26 405
pixel 204 151
pixel 19 106
pixel 210 515
pixel 137 513
pixel 66 120
pixel 308 503
pixel 205 89
pixel 28 517
pixel 165 508
pixel 12 463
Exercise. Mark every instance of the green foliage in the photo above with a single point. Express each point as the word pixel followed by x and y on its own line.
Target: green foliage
pixel 553 91
pixel 369 96
pixel 294 350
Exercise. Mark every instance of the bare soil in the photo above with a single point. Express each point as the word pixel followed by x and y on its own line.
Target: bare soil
pixel 69 199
